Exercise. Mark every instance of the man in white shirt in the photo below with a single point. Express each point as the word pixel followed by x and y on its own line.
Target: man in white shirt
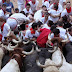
pixel 40 13
pixel 60 8
pixel 32 34
pixel 60 27
pixel 34 5
pixel 68 10
pixel 54 14
pixel 3 13
pixel 28 9
pixel 21 4
pixel 44 19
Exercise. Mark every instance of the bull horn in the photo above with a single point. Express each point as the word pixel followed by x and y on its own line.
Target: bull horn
pixel 38 50
pixel 8 48
pixel 66 39
pixel 49 45
pixel 15 41
pixel 12 47
pixel 26 42
pixel 49 36
pixel 55 48
pixel 28 53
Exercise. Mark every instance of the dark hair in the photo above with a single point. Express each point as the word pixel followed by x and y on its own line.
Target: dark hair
pixel 56 31
pixel 43 6
pixel 56 6
pixel 16 9
pixel 28 4
pixel 64 18
pixel 4 5
pixel 39 23
pixel 34 25
pixel 22 12
pixel 50 23
pixel 60 23
pixel 52 27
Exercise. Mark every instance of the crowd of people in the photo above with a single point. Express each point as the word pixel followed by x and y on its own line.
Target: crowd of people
pixel 33 22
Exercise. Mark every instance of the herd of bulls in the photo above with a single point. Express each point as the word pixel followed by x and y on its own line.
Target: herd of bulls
pixel 25 56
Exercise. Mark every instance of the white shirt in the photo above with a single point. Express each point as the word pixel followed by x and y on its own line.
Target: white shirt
pixel 6 29
pixel 29 35
pixel 30 11
pixel 46 3
pixel 54 12
pixel 62 30
pixel 20 1
pixel 60 8
pixel 1 2
pixel 20 18
pixel 45 26
pixel 43 19
pixel 64 12
pixel 38 15
pixel 70 37
pixel 34 6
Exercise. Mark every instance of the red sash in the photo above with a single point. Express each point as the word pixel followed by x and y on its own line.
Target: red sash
pixel 2 27
pixel 68 10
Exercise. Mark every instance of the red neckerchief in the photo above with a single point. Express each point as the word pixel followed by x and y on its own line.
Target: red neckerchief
pixel 4 11
pixel 3 1
pixel 27 26
pixel 33 2
pixel 45 0
pixel 42 15
pixel 32 31
pixel 68 10
pixel 2 26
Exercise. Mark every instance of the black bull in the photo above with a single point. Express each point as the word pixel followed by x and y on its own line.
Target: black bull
pixel 67 51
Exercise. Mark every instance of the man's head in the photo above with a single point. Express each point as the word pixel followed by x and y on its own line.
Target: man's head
pixel 4 7
pixel 28 6
pixel 2 20
pixel 44 7
pixel 56 32
pixel 16 10
pixel 7 1
pixel 50 23
pixel 35 26
pixel 56 6
pixel 68 5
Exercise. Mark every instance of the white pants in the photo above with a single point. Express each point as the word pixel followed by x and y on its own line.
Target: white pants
pixel 21 7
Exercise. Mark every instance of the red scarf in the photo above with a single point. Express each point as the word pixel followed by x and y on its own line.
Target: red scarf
pixel 45 0
pixel 68 10
pixel 4 11
pixel 2 26
pixel 33 2
pixel 32 31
